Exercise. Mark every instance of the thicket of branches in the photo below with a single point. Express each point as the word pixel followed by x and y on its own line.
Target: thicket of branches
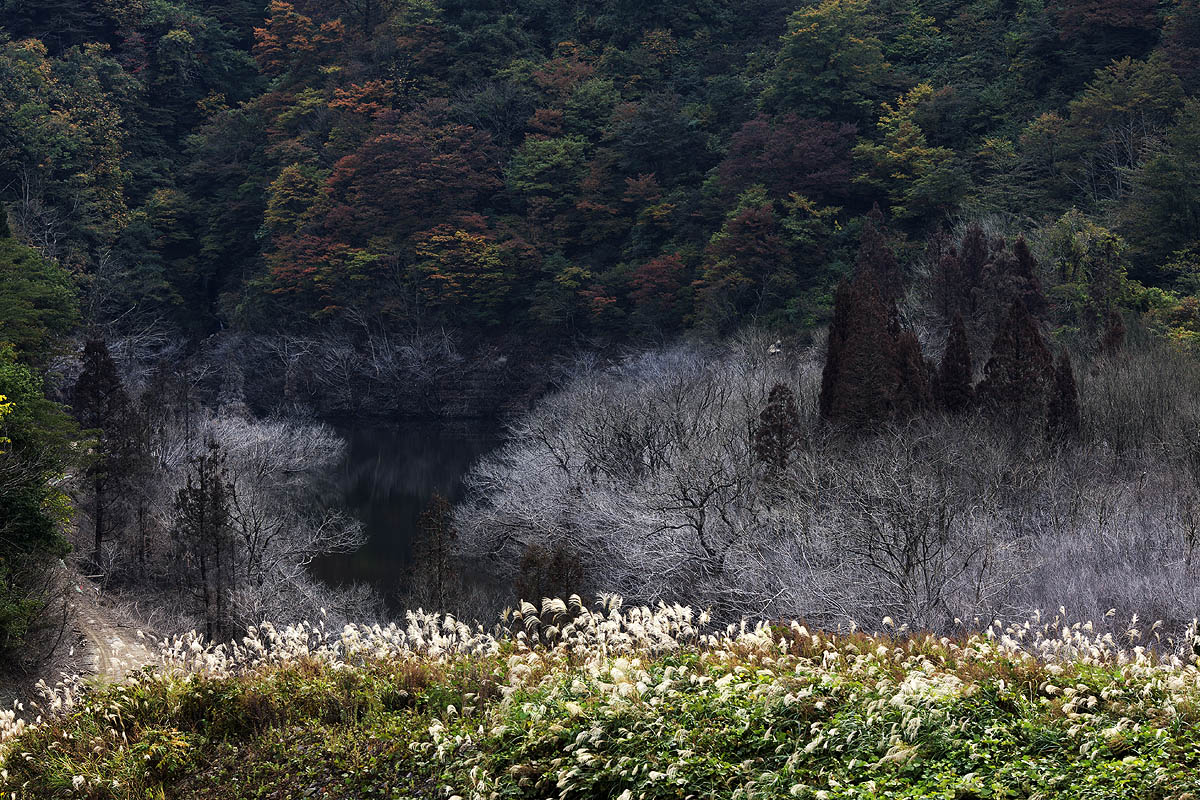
pixel 684 475
pixel 215 512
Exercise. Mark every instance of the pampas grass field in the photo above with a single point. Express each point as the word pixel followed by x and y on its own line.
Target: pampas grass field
pixel 567 701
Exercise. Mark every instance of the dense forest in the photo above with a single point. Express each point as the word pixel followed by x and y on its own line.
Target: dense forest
pixel 581 169
pixel 627 226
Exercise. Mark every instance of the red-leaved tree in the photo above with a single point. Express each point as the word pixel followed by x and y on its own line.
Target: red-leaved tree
pixel 420 167
pixel 790 154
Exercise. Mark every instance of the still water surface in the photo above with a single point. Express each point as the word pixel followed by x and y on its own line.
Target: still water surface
pixel 387 479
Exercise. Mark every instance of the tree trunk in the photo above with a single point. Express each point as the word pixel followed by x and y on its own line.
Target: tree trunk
pixel 208 617
pixel 98 520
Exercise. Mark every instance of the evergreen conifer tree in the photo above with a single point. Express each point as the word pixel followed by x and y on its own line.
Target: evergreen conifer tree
pixel 203 530
pixel 1010 276
pixel 913 393
pixel 949 289
pixel 1063 421
pixel 549 571
pixel 974 257
pixel 1026 283
pixel 101 405
pixel 875 255
pixel 98 399
pixel 839 332
pixel 1020 371
pixel 434 570
pixel 777 433
pixel 955 391
pixel 862 367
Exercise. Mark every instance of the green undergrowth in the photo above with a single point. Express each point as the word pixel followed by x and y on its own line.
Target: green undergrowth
pixel 777 713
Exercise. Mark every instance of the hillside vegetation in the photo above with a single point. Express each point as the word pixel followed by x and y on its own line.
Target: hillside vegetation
pixel 613 169
pixel 625 703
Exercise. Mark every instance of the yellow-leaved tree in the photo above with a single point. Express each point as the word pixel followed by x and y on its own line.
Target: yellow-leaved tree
pixel 5 409
pixel 919 180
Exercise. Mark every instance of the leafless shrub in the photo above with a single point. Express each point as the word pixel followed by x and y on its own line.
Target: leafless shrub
pixel 1143 398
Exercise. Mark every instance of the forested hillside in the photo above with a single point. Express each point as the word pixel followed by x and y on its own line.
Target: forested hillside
pixel 605 169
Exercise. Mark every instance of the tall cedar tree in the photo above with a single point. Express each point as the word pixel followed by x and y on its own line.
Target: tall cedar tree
pixel 100 403
pixel 913 394
pixel 1024 277
pixel 961 276
pixel 204 532
pixel 862 372
pixel 1063 422
pixel 973 257
pixel 950 290
pixel 1020 372
pixel 433 570
pixel 955 391
pixel 1009 276
pixel 875 255
pixel 777 433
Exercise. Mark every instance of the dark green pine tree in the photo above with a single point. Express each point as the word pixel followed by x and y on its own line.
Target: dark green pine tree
pixel 778 431
pixel 1063 420
pixel 956 393
pixel 99 402
pixel 1019 374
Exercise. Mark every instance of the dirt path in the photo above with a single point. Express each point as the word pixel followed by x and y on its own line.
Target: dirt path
pixel 116 650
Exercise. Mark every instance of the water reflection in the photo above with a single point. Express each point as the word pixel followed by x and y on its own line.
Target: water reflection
pixel 388 477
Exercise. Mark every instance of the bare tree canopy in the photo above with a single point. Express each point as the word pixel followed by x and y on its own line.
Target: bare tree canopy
pixel 649 472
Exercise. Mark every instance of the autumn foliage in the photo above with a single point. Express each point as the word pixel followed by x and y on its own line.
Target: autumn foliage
pixel 282 163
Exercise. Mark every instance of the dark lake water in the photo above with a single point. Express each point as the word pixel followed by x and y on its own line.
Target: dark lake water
pixel 387 480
